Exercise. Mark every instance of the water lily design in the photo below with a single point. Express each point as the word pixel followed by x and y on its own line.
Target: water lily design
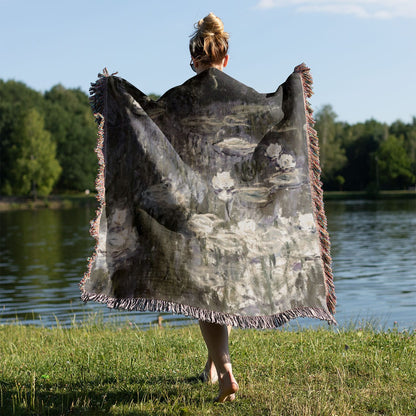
pixel 223 185
pixel 273 151
pixel 284 161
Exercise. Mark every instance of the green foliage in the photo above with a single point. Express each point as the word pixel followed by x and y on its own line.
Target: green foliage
pixel 15 99
pixel 407 132
pixel 7 125
pixel 332 155
pixel 36 168
pixel 14 92
pixel 71 123
pixel 365 156
pixel 72 133
pixel 153 96
pixel 394 164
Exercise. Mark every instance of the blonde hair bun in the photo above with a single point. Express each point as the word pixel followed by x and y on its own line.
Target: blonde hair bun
pixel 211 25
pixel 209 43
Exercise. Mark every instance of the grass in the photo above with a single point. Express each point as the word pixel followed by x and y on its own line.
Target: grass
pixel 108 369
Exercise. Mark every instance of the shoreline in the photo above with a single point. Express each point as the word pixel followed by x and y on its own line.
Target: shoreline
pixel 348 195
pixel 59 201
pixel 67 201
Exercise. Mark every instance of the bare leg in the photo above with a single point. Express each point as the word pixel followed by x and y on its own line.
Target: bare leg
pixel 209 374
pixel 216 339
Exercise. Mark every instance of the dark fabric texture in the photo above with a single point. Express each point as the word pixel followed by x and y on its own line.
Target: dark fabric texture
pixel 211 204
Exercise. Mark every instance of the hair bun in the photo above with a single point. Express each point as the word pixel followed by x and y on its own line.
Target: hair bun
pixel 211 25
pixel 209 43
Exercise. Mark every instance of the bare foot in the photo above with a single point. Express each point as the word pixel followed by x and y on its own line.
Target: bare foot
pixel 228 388
pixel 209 375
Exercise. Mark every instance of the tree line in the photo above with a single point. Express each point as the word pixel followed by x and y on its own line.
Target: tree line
pixel 367 156
pixel 47 143
pixel 47 140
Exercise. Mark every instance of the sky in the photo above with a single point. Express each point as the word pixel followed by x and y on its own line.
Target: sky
pixel 362 53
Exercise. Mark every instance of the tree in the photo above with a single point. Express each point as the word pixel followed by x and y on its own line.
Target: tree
pixel 408 133
pixel 71 123
pixel 15 99
pixel 153 96
pixel 362 141
pixel 15 92
pixel 394 164
pixel 35 168
pixel 8 113
pixel 332 155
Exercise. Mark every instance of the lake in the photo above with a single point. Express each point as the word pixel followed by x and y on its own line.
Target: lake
pixel 43 256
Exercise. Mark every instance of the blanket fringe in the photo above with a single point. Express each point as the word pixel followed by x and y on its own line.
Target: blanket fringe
pixel 316 186
pixel 255 322
pixel 97 99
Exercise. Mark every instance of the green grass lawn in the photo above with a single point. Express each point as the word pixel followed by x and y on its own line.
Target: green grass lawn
pixel 109 369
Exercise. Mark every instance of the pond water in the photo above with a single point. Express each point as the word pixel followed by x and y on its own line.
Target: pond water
pixel 43 257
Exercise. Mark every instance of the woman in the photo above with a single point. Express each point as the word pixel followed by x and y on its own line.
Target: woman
pixel 209 49
pixel 211 203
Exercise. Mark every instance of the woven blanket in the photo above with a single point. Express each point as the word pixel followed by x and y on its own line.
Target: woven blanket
pixel 210 202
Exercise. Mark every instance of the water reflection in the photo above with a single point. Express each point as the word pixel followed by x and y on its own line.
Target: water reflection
pixel 43 257
pixel 373 246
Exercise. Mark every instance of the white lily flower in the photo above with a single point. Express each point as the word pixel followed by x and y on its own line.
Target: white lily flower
pixel 286 161
pixel 273 151
pixel 222 181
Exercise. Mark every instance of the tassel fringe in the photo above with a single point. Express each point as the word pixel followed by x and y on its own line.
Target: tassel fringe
pixel 316 186
pixel 97 103
pixel 257 322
